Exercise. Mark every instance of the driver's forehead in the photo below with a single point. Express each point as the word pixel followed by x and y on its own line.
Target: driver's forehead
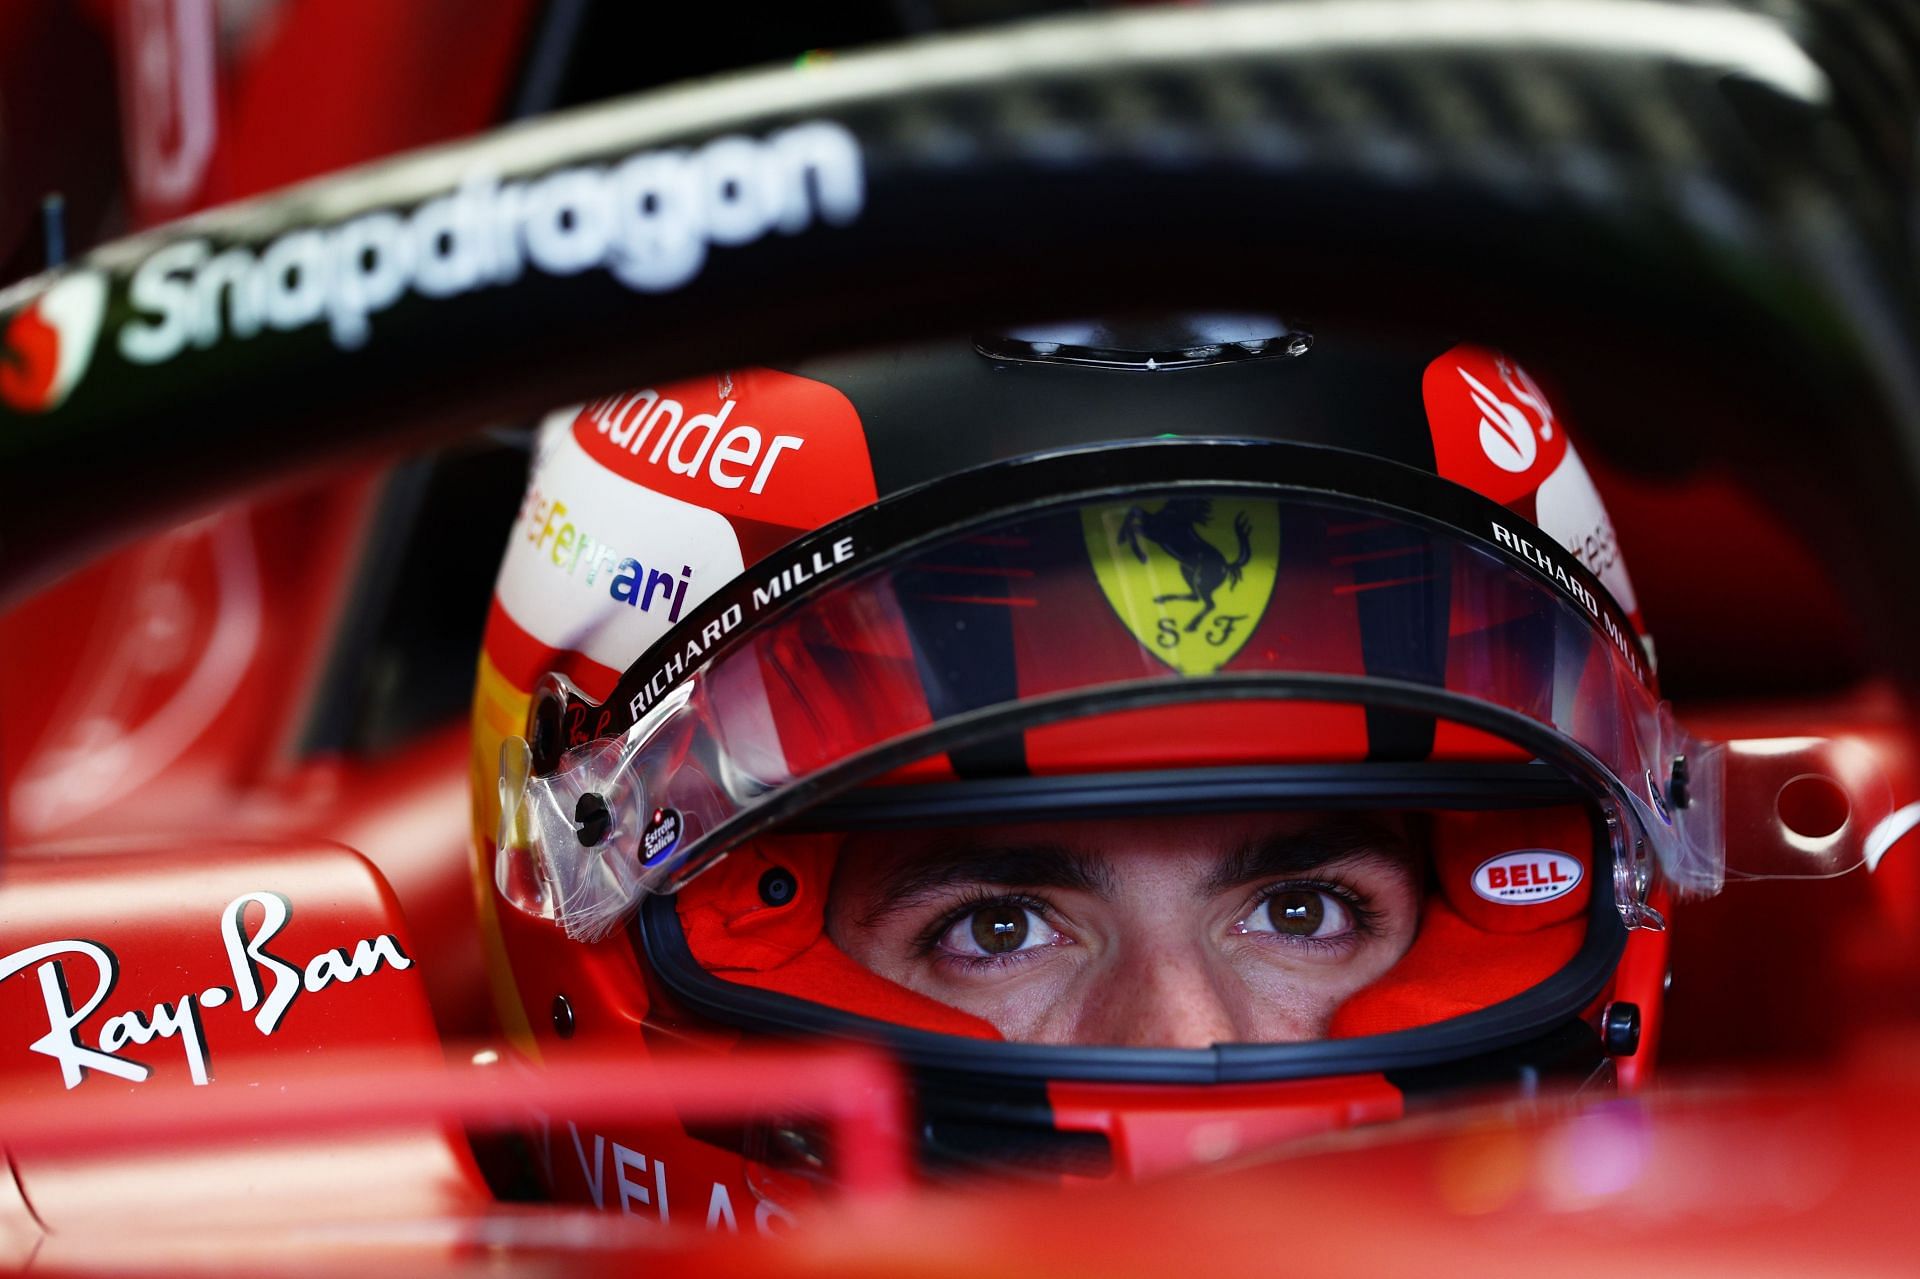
pixel 1195 844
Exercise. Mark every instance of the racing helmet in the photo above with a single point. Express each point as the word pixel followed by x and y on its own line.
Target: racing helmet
pixel 775 651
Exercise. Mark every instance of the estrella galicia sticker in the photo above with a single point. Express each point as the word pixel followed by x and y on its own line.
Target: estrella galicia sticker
pixel 662 836
pixel 1190 577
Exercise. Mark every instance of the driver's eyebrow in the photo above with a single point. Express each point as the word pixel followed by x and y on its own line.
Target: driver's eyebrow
pixel 1021 866
pixel 1275 857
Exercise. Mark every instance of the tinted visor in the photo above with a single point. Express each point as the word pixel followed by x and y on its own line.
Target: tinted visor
pixel 1332 630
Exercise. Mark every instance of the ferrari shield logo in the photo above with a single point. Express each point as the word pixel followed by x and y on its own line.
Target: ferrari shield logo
pixel 1189 576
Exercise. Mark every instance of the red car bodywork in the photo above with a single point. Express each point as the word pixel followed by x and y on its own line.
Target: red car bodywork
pixel 155 802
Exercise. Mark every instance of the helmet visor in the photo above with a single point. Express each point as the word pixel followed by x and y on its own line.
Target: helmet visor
pixel 1336 629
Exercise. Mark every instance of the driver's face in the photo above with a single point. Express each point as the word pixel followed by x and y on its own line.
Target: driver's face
pixel 1174 932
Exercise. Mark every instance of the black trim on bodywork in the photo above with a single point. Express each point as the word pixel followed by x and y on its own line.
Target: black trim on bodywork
pixel 968 1123
pixel 336 702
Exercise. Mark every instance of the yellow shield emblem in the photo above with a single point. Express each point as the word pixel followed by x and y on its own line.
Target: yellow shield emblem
pixel 1189 576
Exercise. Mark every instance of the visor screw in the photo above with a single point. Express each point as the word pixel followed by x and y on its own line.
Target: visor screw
pixel 1620 1029
pixel 562 1017
pixel 778 886
pixel 1677 792
pixel 592 819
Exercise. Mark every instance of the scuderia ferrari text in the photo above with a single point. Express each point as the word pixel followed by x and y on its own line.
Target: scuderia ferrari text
pixel 648 220
pixel 814 562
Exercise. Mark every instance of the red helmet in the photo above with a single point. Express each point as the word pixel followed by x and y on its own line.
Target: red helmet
pixel 1163 735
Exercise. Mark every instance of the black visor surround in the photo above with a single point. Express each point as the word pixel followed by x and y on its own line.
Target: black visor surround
pixel 1499 1038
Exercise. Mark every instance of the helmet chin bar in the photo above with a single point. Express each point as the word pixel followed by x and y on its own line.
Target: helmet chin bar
pixel 575 848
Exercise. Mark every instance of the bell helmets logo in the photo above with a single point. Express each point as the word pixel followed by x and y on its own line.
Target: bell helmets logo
pixel 1493 429
pixel 1526 876
pixel 50 341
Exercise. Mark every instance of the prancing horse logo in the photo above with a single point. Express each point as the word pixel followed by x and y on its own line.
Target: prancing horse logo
pixel 1175 529
pixel 1218 554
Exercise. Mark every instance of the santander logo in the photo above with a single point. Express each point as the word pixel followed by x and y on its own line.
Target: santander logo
pixel 1506 436
pixel 1526 876
pixel 1493 429
pixel 50 341
pixel 759 445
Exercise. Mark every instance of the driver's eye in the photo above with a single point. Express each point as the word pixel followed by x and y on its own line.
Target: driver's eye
pixel 1300 912
pixel 997 928
pixel 1001 928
